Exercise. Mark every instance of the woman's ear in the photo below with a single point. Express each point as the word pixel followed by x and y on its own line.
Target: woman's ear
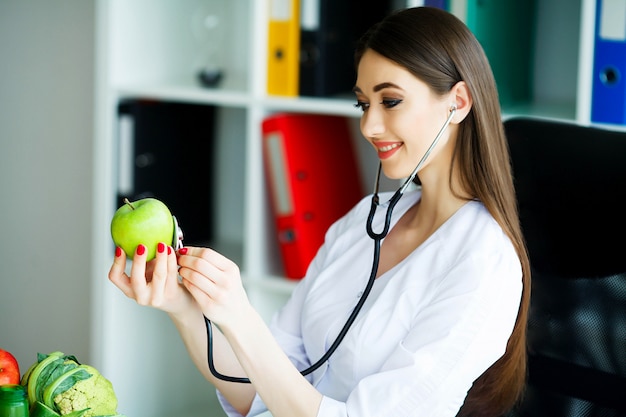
pixel 462 99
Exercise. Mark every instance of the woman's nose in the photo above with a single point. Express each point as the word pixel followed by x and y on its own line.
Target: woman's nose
pixel 372 123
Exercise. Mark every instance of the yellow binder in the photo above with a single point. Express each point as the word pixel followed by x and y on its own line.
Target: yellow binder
pixel 283 48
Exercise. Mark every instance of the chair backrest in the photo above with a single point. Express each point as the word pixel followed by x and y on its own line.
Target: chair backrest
pixel 570 182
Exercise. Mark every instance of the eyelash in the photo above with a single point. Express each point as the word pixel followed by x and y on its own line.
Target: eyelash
pixel 361 105
pixel 388 103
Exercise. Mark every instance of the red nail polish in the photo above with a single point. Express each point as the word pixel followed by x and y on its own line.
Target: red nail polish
pixel 118 251
pixel 141 249
pixel 161 247
pixel 183 251
pixel 169 250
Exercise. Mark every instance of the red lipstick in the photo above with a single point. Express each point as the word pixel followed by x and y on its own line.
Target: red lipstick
pixel 387 149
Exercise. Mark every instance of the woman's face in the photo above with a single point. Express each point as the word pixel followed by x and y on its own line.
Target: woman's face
pixel 401 115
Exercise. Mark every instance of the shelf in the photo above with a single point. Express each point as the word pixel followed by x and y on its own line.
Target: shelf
pixel 560 111
pixel 190 92
pixel 337 106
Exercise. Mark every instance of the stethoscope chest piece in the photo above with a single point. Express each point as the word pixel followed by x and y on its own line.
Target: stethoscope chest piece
pixel 177 238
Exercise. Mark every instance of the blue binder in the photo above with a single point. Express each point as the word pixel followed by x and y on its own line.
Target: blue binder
pixel 608 98
pixel 441 4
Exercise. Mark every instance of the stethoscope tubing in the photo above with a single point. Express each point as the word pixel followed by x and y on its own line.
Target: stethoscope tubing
pixel 331 349
pixel 376 237
pixel 400 191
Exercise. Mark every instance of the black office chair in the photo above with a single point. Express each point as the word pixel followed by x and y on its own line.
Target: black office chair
pixel 571 187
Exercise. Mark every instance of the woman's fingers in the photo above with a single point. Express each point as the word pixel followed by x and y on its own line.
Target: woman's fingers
pixel 213 281
pixel 117 273
pixel 204 267
pixel 208 277
pixel 172 268
pixel 154 283
pixel 202 279
pixel 159 275
pixel 195 255
pixel 138 279
pixel 196 292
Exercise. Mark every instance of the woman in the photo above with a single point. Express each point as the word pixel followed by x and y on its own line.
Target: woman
pixel 442 332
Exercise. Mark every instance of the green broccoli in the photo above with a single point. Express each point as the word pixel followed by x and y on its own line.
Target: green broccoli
pixel 95 394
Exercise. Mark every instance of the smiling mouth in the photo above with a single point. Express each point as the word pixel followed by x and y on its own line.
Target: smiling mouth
pixel 388 147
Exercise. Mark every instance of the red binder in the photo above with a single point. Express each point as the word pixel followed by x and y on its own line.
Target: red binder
pixel 313 180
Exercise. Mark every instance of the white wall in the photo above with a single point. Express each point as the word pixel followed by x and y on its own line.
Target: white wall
pixel 46 130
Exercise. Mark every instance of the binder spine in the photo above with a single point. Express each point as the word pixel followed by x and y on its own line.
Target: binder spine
pixel 329 31
pixel 281 192
pixel 283 48
pixel 278 173
pixel 125 151
pixel 608 99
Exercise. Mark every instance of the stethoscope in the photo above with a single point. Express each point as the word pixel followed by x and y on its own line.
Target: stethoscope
pixel 376 237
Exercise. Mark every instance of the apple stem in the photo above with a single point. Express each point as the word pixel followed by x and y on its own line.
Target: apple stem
pixel 129 203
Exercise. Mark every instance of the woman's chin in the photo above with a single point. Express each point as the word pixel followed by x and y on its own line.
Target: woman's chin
pixel 394 173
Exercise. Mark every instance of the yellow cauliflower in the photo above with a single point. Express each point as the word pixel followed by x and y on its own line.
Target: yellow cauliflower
pixel 94 394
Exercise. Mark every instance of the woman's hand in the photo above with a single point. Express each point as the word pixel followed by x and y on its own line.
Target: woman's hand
pixel 153 284
pixel 215 283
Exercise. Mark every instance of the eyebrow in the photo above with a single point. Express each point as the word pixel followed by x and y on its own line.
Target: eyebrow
pixel 378 87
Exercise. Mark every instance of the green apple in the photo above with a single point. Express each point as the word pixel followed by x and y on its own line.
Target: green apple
pixel 147 221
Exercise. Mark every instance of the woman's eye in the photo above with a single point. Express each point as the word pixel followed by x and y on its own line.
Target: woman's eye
pixel 362 105
pixel 389 103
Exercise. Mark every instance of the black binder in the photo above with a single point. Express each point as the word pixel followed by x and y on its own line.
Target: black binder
pixel 328 35
pixel 166 152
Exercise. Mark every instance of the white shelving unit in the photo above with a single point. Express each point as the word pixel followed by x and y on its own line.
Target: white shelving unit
pixel 153 49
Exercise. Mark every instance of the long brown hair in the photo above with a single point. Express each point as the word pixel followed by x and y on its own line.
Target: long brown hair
pixel 440 50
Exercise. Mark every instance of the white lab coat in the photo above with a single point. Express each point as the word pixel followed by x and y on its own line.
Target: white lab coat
pixel 431 325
